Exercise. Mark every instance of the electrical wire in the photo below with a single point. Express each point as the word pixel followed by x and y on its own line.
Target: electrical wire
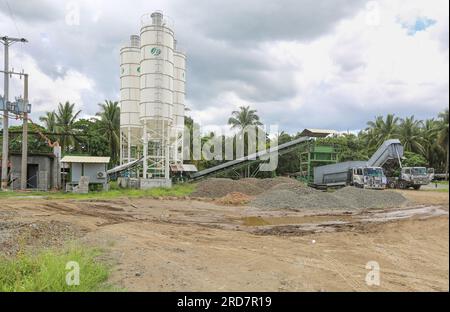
pixel 12 17
pixel 36 126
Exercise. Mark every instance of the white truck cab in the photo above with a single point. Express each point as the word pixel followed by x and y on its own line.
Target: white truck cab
pixel 413 177
pixel 369 177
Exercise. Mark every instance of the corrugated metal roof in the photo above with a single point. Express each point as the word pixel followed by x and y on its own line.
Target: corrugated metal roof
pixel 189 168
pixel 183 167
pixel 318 133
pixel 321 130
pixel 85 159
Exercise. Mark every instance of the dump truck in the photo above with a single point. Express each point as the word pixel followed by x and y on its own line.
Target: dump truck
pixel 353 173
pixel 364 174
pixel 413 177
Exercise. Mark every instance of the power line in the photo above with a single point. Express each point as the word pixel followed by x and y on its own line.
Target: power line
pixel 12 17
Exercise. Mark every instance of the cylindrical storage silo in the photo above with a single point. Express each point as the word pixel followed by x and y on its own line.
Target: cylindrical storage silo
pixel 156 79
pixel 179 93
pixel 130 125
pixel 156 97
pixel 179 88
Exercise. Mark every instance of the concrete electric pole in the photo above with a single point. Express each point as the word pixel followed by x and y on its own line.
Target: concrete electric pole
pixel 6 41
pixel 24 165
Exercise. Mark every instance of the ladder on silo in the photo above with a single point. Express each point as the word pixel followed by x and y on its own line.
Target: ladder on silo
pixel 159 65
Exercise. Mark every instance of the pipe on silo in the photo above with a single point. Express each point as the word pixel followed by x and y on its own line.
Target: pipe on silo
pixel 157 18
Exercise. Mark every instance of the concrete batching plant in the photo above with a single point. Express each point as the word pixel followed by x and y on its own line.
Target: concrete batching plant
pixel 152 94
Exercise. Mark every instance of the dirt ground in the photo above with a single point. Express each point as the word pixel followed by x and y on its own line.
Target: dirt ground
pixel 193 245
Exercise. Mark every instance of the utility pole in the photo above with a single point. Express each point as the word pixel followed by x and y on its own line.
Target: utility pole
pixel 24 164
pixel 6 41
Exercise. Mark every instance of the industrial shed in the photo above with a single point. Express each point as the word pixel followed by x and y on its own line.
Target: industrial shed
pixel 85 166
pixel 317 133
pixel 42 171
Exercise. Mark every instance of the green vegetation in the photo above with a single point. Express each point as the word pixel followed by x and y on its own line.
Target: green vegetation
pixel 425 141
pixel 109 126
pixel 178 190
pixel 439 190
pixel 414 160
pixel 47 271
pixel 243 118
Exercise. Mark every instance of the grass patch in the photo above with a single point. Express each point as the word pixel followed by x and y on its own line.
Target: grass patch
pixel 178 190
pixel 439 190
pixel 46 271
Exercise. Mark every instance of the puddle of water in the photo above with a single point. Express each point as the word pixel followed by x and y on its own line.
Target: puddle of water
pixel 261 221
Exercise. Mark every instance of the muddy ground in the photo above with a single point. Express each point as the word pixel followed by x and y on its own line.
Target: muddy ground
pixel 193 245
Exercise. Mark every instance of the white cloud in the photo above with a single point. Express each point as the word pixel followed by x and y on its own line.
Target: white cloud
pixel 335 71
pixel 46 92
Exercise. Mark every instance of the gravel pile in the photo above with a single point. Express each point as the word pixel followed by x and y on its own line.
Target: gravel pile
pixel 297 197
pixel 15 236
pixel 287 193
pixel 370 198
pixel 216 188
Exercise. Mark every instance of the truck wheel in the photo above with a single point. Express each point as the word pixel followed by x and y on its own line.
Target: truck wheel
pixel 392 185
pixel 402 185
pixel 416 187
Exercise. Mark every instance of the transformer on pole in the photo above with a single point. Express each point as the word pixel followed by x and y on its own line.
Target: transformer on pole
pixel 6 41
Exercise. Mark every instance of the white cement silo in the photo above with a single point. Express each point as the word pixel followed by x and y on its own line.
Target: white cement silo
pixel 179 93
pixel 130 125
pixel 156 93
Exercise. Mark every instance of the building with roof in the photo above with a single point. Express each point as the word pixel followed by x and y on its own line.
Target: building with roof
pixel 87 168
pixel 318 133
pixel 42 171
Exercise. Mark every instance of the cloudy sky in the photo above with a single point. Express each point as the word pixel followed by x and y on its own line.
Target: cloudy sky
pixel 301 63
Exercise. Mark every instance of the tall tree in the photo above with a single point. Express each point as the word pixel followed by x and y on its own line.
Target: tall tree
pixel 381 130
pixel 243 118
pixel 430 135
pixel 411 136
pixel 50 121
pixel 443 137
pixel 66 117
pixel 110 126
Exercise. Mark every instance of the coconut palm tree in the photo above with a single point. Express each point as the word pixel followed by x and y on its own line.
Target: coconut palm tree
pixel 410 135
pixel 381 130
pixel 110 126
pixel 50 121
pixel 430 134
pixel 65 118
pixel 244 118
pixel 443 137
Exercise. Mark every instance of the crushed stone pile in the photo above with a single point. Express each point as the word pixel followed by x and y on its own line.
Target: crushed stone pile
pixel 290 194
pixel 16 236
pixel 293 197
pixel 217 187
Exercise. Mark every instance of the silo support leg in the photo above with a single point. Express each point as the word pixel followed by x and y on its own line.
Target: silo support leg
pixel 145 151
pixel 129 145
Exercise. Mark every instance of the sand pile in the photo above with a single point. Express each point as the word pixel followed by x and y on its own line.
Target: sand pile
pixel 235 199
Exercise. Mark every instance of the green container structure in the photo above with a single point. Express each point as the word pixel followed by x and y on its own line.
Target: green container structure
pixel 314 155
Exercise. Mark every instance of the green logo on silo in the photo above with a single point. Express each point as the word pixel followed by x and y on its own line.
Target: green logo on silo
pixel 155 51
pixel 139 69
